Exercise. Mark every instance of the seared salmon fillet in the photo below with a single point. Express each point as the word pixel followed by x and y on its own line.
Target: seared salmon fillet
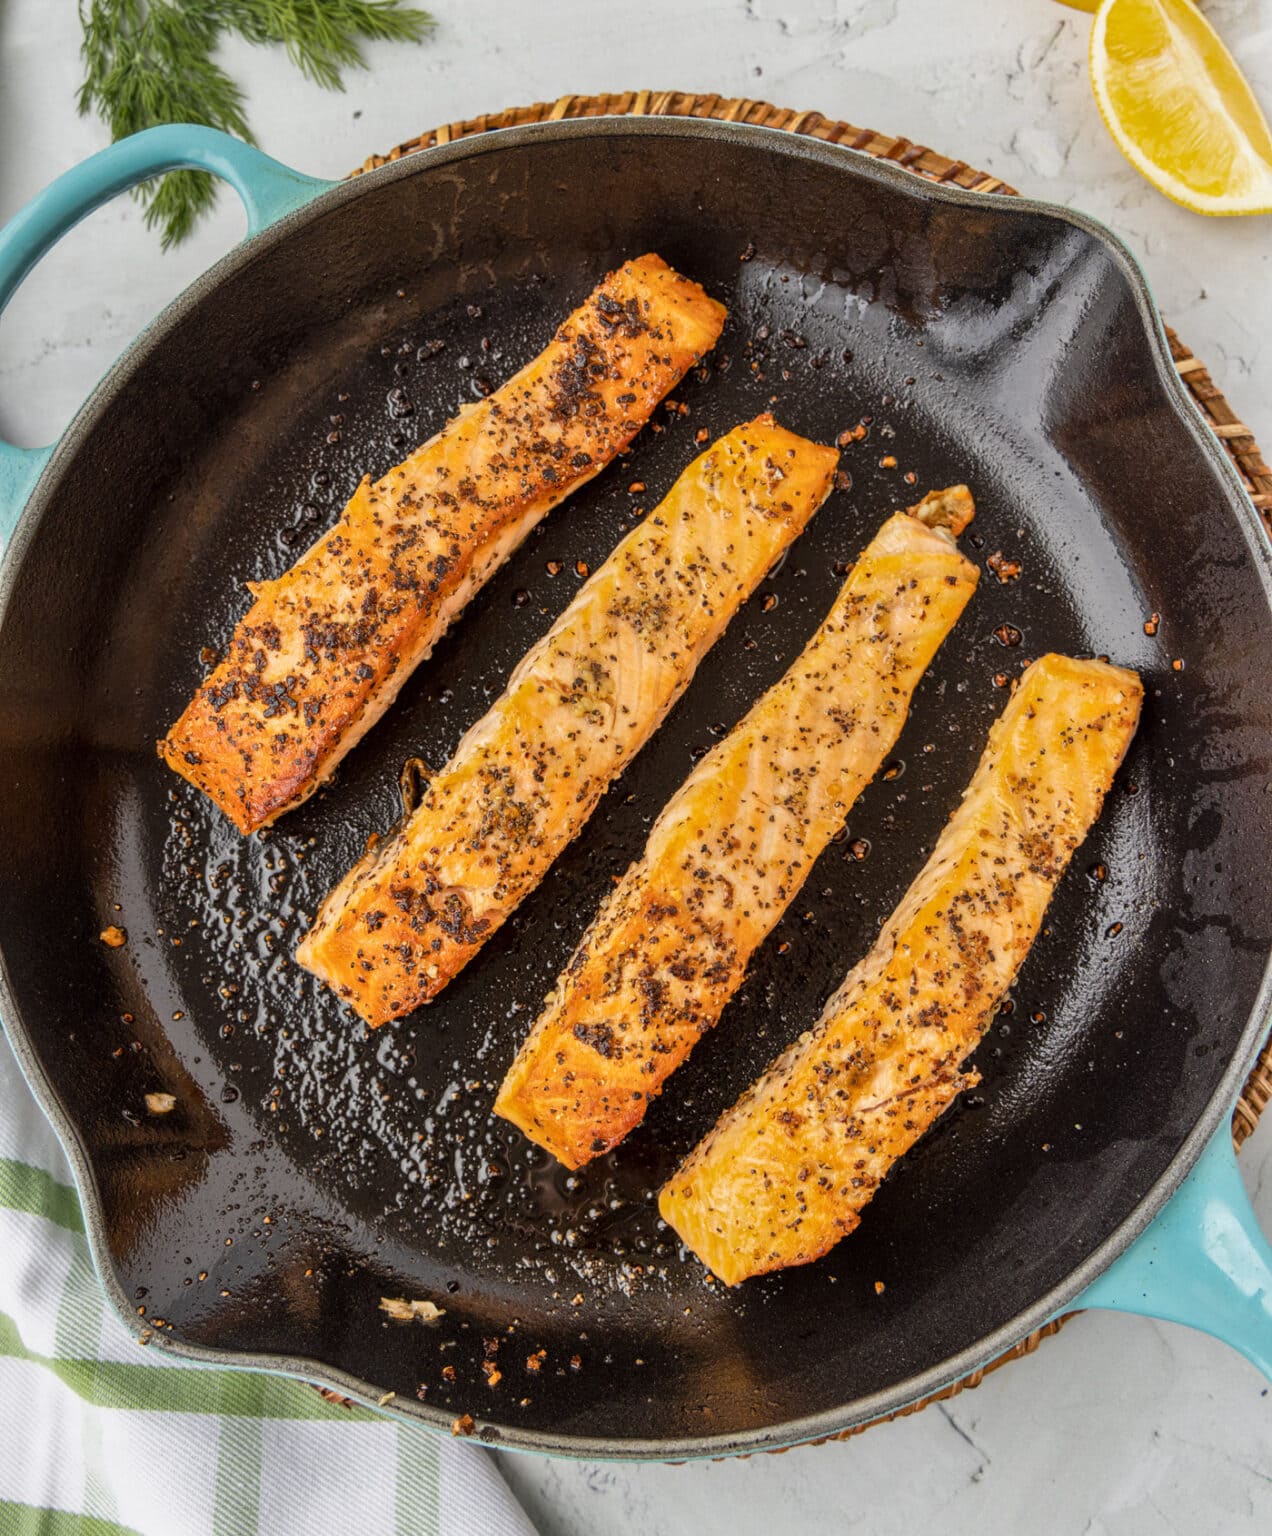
pixel 733 846
pixel 324 649
pixel 577 708
pixel 786 1172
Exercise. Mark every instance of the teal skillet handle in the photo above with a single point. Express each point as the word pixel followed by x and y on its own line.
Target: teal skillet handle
pixel 1202 1261
pixel 268 190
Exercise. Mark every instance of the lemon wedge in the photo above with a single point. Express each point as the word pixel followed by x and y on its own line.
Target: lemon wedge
pixel 1178 106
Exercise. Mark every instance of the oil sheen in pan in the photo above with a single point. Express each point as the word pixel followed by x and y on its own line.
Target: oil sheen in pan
pixel 399 1121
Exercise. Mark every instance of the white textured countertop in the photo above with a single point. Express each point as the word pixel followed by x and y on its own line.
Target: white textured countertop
pixel 1119 1427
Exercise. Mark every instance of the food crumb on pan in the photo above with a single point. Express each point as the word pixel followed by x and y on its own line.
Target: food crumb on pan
pixel 400 1310
pixel 113 937
pixel 1006 570
pixel 160 1103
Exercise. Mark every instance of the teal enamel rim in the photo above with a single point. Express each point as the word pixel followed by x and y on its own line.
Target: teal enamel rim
pixel 1205 1263
pixel 268 190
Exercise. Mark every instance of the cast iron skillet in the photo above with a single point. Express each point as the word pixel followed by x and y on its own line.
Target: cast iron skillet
pixel 310 1168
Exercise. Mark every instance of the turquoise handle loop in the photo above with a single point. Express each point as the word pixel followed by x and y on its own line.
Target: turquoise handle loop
pixel 1203 1261
pixel 268 191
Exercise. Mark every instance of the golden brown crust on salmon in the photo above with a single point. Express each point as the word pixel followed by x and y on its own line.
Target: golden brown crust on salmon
pixel 786 1172
pixel 577 708
pixel 733 846
pixel 325 647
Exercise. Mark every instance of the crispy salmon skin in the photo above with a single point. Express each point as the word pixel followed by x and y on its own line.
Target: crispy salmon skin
pixel 735 843
pixel 787 1171
pixel 324 648
pixel 577 708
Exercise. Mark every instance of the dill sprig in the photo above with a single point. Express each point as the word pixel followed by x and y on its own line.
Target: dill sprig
pixel 153 61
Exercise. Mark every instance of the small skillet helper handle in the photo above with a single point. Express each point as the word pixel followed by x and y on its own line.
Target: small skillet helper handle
pixel 268 191
pixel 1203 1260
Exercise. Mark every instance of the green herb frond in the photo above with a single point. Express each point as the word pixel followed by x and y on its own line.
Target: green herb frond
pixel 153 61
pixel 322 36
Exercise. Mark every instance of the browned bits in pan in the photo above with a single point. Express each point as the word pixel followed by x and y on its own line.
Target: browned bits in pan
pixel 1006 570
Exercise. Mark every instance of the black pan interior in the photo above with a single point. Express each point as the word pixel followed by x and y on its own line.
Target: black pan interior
pixel 311 1168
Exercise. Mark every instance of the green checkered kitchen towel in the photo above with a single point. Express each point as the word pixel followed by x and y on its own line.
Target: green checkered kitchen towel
pixel 99 1438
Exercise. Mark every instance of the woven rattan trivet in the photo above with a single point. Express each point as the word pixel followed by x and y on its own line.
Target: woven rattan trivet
pixel 1237 438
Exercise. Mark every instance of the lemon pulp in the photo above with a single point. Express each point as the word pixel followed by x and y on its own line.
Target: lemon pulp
pixel 1178 106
